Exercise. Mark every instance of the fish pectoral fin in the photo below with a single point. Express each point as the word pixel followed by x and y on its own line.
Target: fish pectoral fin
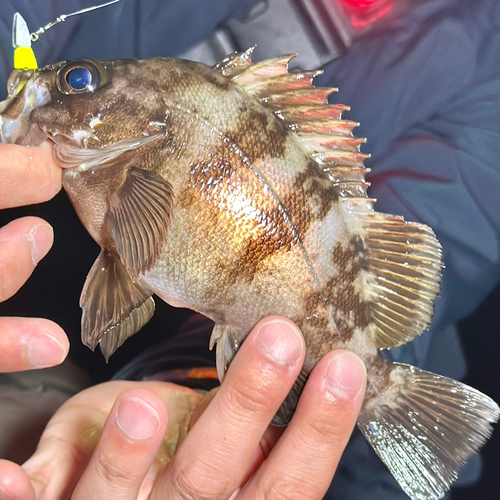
pixel 114 306
pixel 287 408
pixel 139 219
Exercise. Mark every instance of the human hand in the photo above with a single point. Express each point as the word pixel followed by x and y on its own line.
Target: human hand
pixel 28 175
pixel 229 452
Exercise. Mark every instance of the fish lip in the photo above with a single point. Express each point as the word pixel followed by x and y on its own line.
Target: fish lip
pixel 11 129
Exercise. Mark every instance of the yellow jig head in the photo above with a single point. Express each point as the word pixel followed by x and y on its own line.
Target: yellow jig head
pixel 24 57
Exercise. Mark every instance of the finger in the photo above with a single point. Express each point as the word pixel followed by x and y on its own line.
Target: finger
pixel 14 483
pixel 267 443
pixel 213 459
pixel 303 462
pixel 31 343
pixel 23 243
pixel 71 437
pixel 130 439
pixel 29 175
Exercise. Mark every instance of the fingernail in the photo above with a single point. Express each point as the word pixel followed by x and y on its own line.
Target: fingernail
pixel 345 376
pixel 280 341
pixel 41 238
pixel 137 419
pixel 44 351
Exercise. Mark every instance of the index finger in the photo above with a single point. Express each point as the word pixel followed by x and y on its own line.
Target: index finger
pixel 29 175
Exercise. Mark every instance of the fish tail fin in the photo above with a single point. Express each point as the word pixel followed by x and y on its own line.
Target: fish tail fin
pixel 424 427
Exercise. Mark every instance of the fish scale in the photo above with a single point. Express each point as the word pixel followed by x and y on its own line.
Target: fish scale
pixel 240 192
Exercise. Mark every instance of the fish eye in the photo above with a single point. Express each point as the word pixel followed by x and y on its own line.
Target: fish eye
pixel 79 77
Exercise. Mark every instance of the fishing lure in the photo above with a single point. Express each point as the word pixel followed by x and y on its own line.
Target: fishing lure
pixel 24 57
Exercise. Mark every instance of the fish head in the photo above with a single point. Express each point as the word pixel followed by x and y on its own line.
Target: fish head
pixel 79 104
pixel 94 112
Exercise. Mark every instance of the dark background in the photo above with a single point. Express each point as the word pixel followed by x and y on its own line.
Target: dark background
pixel 53 292
pixel 480 335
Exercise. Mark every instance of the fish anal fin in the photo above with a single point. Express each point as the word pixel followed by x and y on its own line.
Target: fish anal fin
pixel 424 427
pixel 227 347
pixel 114 306
pixel 139 219
pixel 287 408
pixel 404 273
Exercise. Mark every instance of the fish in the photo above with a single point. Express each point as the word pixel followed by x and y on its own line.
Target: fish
pixel 239 191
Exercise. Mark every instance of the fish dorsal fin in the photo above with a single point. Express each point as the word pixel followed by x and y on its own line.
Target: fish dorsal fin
pixel 402 259
pixel 139 218
pixel 318 125
pixel 236 63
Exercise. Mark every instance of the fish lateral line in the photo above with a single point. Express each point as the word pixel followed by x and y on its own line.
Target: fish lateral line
pixel 261 177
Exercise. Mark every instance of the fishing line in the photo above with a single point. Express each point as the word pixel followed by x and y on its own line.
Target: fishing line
pixel 36 35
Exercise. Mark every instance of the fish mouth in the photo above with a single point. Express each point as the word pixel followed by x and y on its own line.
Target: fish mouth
pixel 19 131
pixel 25 94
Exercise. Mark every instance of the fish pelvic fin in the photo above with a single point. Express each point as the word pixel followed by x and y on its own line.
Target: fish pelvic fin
pixel 114 306
pixel 424 427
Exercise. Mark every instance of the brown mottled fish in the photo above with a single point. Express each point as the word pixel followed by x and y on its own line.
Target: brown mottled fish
pixel 239 192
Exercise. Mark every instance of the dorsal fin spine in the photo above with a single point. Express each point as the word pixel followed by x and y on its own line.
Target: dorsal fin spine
pixel 235 63
pixel 264 69
pixel 282 83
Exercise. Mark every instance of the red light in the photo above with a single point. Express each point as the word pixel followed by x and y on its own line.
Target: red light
pixel 361 3
pixel 366 12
